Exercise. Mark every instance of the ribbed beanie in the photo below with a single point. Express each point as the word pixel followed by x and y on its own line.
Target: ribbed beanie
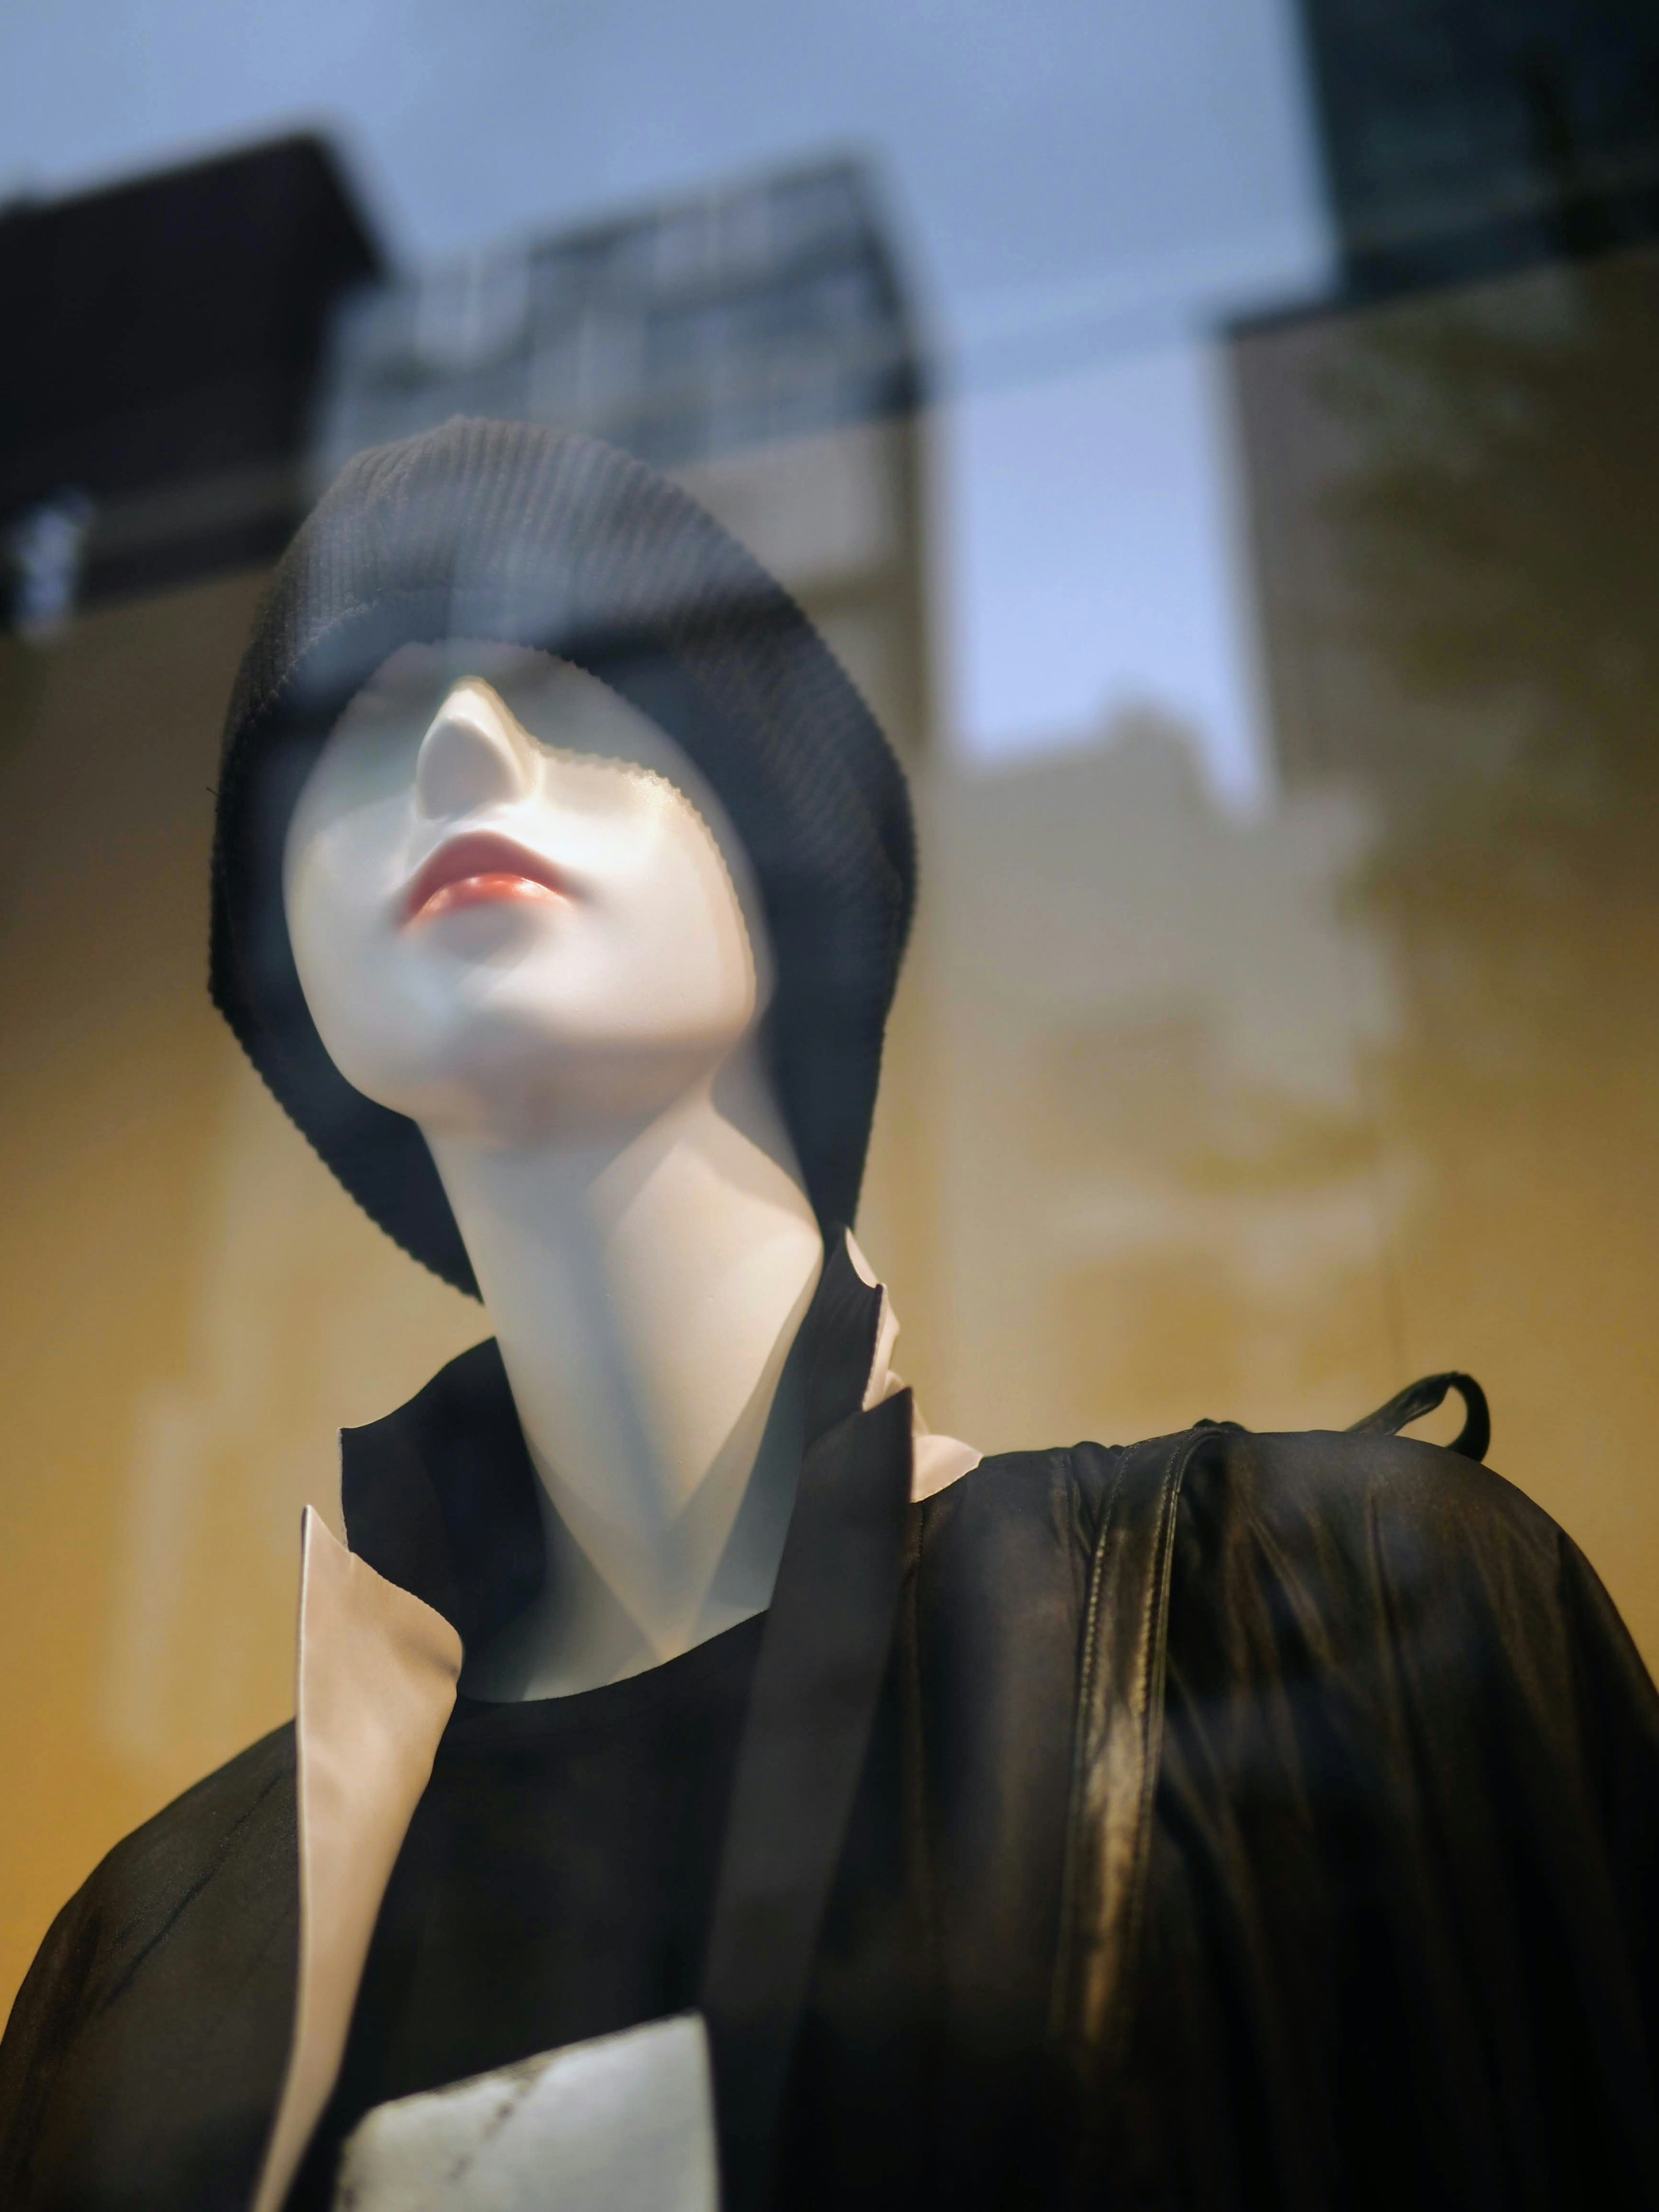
pixel 520 535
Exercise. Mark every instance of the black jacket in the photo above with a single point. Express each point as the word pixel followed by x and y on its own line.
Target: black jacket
pixel 1226 1821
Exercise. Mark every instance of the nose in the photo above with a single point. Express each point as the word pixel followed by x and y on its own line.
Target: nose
pixel 474 755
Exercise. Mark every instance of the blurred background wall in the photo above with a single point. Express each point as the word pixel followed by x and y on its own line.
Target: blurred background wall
pixel 1221 441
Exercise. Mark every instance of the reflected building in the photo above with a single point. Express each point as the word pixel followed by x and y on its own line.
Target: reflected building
pixel 1451 480
pixel 756 341
pixel 163 336
pixel 1462 139
pixel 1453 497
pixel 1259 1119
pixel 1153 1023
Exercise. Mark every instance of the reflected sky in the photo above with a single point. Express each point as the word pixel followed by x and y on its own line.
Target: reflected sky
pixel 1077 190
pixel 1096 566
pixel 1055 167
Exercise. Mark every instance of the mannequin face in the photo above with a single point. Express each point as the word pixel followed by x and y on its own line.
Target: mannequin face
pixel 516 910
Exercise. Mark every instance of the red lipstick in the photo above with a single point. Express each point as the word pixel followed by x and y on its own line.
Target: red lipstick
pixel 479 869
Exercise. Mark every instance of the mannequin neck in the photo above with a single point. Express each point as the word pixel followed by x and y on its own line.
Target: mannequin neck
pixel 646 1291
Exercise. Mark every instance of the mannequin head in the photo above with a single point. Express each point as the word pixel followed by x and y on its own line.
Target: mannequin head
pixel 543 539
pixel 517 912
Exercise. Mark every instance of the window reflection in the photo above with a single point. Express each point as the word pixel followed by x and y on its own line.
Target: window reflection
pixel 1249 549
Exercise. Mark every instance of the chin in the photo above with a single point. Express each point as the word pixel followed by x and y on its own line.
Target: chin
pixel 557 1087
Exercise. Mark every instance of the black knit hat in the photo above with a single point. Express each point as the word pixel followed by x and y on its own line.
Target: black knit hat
pixel 525 536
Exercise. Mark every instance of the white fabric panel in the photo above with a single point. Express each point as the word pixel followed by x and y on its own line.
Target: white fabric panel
pixel 620 2123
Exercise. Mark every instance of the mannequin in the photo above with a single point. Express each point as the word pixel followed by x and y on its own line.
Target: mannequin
pixel 580 1054
pixel 514 923
pixel 832 1818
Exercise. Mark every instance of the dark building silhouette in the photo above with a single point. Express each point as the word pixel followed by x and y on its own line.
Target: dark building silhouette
pixel 1462 137
pixel 162 337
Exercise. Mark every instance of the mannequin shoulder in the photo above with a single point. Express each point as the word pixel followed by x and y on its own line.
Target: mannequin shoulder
pixel 1338 1492
pixel 1320 1479
pixel 162 1993
pixel 1309 1555
pixel 1382 1558
pixel 1332 1508
pixel 223 1851
pixel 245 1808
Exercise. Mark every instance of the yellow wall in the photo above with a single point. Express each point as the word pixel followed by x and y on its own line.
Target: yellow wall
pixel 1214 1128
pixel 189 1307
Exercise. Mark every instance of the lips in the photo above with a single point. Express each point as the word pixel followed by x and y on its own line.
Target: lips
pixel 480 869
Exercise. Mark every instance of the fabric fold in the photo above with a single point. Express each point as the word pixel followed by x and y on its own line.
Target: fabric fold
pixel 375 1684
